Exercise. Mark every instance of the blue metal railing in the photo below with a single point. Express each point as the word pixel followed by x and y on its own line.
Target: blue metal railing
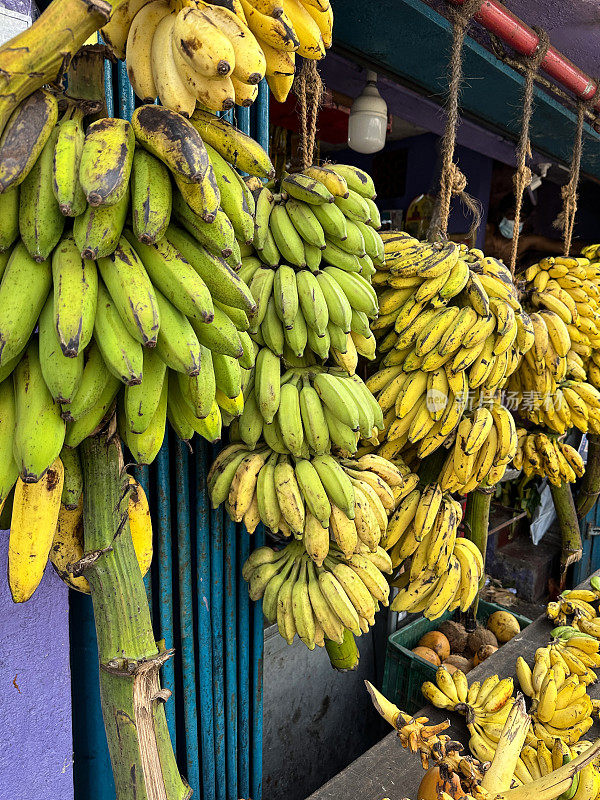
pixel 199 605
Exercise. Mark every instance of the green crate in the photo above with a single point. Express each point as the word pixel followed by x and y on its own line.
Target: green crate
pixel 405 672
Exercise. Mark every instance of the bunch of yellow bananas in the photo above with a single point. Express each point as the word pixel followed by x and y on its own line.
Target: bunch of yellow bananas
pixel 486 442
pixel 546 456
pixel 551 383
pixel 314 499
pixel 576 603
pixel 189 51
pixel 317 602
pixel 450 323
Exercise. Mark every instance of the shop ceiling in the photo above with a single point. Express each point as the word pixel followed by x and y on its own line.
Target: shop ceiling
pixel 408 41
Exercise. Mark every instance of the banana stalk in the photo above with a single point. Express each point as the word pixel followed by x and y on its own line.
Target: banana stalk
pixel 343 656
pixel 142 756
pixel 589 491
pixel 498 777
pixel 42 53
pixel 569 525
pixel 477 515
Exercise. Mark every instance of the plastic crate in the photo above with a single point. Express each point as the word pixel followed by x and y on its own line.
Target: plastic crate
pixel 405 672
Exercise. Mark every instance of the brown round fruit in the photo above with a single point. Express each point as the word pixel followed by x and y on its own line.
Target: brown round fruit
pixel 503 625
pixel 484 652
pixel 458 662
pixel 437 642
pixel 456 635
pixel 479 637
pixel 427 654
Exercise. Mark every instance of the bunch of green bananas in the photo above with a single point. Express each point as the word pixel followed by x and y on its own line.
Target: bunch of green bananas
pixel 315 499
pixel 317 602
pixel 486 442
pixel 546 456
pixel 451 323
pixel 151 306
pixel 306 410
pixel 315 247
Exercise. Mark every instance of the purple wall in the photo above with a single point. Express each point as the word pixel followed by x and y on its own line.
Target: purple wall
pixel 35 691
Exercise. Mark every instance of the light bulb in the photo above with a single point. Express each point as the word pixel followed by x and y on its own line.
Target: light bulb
pixel 367 125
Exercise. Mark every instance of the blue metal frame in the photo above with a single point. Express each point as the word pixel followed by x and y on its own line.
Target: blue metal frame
pixel 198 599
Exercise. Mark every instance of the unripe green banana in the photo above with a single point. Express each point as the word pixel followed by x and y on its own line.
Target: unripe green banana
pixel 337 257
pixel 24 136
pixel 306 223
pixel 354 206
pixel 314 256
pixel 141 401
pixel 373 242
pixel 359 292
pixel 144 446
pixel 269 254
pixel 73 478
pixel 40 220
pixel 223 283
pixel 65 171
pixel 97 231
pixel 8 467
pixel 151 197
pixel 316 431
pixel 234 200
pixel 285 295
pixel 75 281
pixel 9 218
pixel 177 344
pixel 313 491
pixel 337 484
pixel 261 287
pixel 309 190
pixel 86 423
pixel 203 197
pixel 338 398
pixel 272 329
pixel 262 214
pixel 320 345
pixel 296 337
pixel 337 338
pixel 106 161
pixel 39 430
pixel 218 237
pixel 338 305
pixel 175 277
pixel 220 335
pixel 375 216
pixel 312 302
pixel 93 381
pixel 357 179
pixel 250 424
pixel 176 411
pixel 199 390
pixel 228 375
pixel 132 292
pixel 290 418
pixel 62 375
pixel 23 291
pixel 121 353
pixel 268 383
pixel 354 242
pixel 342 436
pixel 237 315
pixel 286 237
pixel 248 357
pixel 332 220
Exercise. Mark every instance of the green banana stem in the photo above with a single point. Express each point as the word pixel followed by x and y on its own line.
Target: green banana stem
pixel 569 526
pixel 477 516
pixel 41 53
pixel 140 748
pixel 344 656
pixel 589 490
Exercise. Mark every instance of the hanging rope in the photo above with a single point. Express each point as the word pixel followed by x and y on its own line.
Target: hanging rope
pixel 309 89
pixel 452 181
pixel 522 177
pixel 569 192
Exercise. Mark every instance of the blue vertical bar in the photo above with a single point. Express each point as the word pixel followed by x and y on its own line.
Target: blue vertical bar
pixel 108 86
pixel 243 119
pixel 262 121
pixel 165 575
pixel 257 688
pixel 244 673
pixel 126 93
pixel 216 615
pixel 186 615
pixel 231 687
pixel 205 656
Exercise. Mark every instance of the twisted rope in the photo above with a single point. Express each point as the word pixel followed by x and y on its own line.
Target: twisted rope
pixel 569 191
pixel 309 89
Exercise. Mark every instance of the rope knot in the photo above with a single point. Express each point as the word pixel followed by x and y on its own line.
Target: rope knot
pixel 458 180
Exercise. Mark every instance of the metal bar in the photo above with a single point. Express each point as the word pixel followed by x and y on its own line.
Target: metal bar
pixel 186 616
pixel 262 120
pixel 165 575
pixel 257 689
pixel 126 93
pixel 514 32
pixel 244 673
pixel 205 660
pixel 231 686
pixel 216 615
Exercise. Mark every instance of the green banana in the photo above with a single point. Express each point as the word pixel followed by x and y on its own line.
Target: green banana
pixel 287 239
pixel 272 330
pixel 97 231
pixel 306 223
pixel 332 220
pixel 93 380
pixel 132 292
pixel 73 478
pixel 144 446
pixel 337 484
pixel 338 306
pixel 62 375
pixel 75 281
pixel 202 197
pixel 39 430
pixel 86 423
pixel 309 190
pixel 234 201
pixel 177 344
pixel 316 431
pixel 267 383
pixel 312 302
pixel 8 467
pixel 296 337
pixel 228 377
pixel 40 220
pixel 121 353
pixel 65 171
pixel 285 295
pixel 290 418
pixel 220 335
pixel 141 401
pixel 175 277
pixel 23 291
pixel 262 214
pixel 9 218
pixel 357 179
pixel 151 197
pixel 236 147
pixel 106 160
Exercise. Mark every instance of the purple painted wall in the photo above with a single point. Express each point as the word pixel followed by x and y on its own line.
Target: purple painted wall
pixel 35 691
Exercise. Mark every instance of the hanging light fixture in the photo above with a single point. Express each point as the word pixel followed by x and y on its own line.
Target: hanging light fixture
pixel 367 124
